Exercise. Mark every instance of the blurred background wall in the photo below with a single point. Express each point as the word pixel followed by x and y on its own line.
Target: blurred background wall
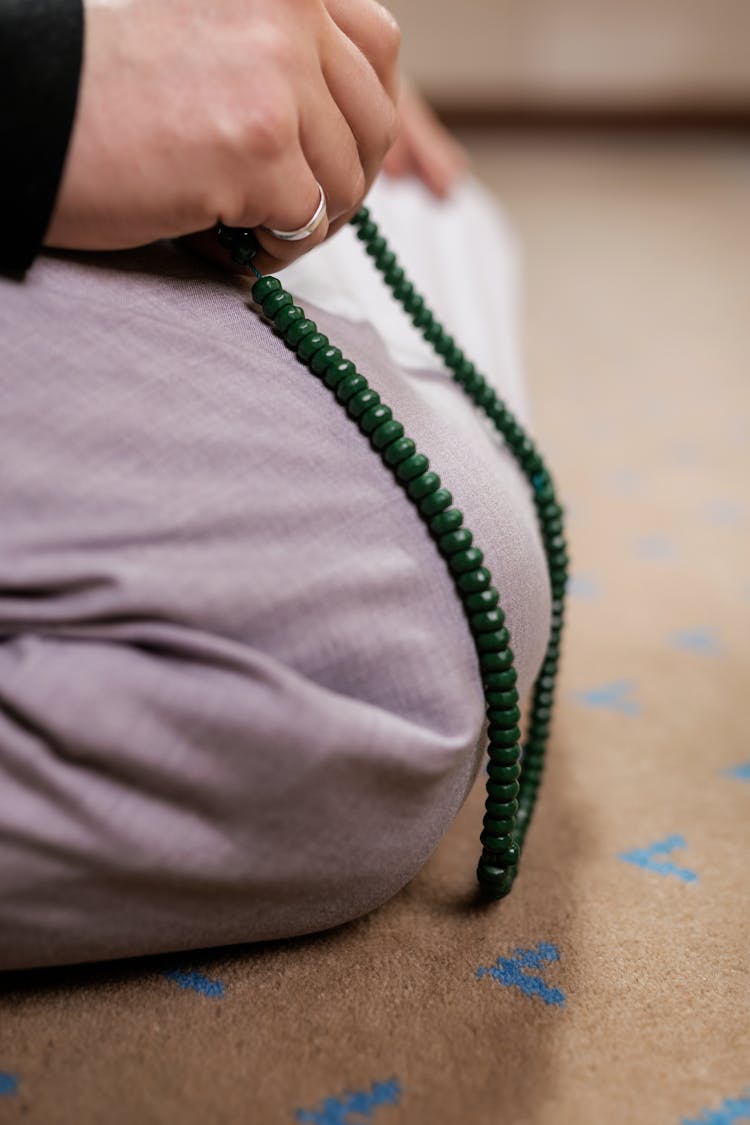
pixel 676 57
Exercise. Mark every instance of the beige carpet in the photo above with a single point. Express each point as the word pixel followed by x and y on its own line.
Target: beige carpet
pixel 620 983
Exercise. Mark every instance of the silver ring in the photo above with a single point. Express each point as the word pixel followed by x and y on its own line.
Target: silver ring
pixel 309 227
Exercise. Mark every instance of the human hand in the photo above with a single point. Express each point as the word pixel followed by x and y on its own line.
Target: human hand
pixel 190 114
pixel 424 148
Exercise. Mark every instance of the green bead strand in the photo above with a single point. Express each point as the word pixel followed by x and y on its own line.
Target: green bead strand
pixel 511 786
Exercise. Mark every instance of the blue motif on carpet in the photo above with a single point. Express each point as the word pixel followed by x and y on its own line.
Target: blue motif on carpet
pixel 739 773
pixel 614 696
pixel 730 1110
pixel 196 982
pixel 646 858
pixel 510 971
pixel 8 1084
pixel 583 586
pixel 700 639
pixel 352 1104
pixel 624 481
pixel 655 547
pixel 724 513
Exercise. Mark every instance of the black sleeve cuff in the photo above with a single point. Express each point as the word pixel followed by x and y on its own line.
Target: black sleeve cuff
pixel 41 52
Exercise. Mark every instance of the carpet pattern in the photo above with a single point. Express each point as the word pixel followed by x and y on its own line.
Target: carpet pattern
pixel 614 983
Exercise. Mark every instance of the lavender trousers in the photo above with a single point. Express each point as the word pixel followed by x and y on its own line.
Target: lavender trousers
pixel 238 696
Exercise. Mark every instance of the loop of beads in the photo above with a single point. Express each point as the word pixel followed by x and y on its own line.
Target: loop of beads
pixel 513 776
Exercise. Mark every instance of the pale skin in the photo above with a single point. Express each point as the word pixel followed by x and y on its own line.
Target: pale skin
pixel 191 114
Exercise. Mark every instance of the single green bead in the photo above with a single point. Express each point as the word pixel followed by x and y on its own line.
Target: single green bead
pixel 445 345
pixel 513 431
pixel 498 809
pixel 472 583
pixel 374 417
pixel 412 467
pixel 493 826
pixel 465 370
pixel 399 451
pixel 466 561
pixel 504 720
pixel 453 356
pixel 534 750
pixel 386 432
pixel 403 291
pixel 502 757
pixel 500 681
pixel 449 520
pixel 541 479
pixel 487 622
pixel 422 318
pixel 548 509
pixel 350 386
pixel 506 827
pixel 263 286
pixel 551 528
pixel 455 541
pixel 310 345
pixel 503 739
pixel 285 317
pixel 495 882
pixel 367 230
pixel 298 330
pixel 323 357
pixel 394 277
pixel 502 700
pixel 495 843
pixel 413 303
pixel 423 486
pixel 492 642
pixel 526 447
pixel 376 246
pixel 362 401
pixel 509 809
pixel 386 261
pixel 335 372
pixel 496 730
pixel 276 300
pixel 506 793
pixel 512 854
pixel 543 699
pixel 483 602
pixel 496 661
pixel 436 502
pixel 487 399
pixel 501 775
pixel 434 333
pixel 537 730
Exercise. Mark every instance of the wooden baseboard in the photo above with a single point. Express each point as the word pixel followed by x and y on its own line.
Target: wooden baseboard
pixel 733 118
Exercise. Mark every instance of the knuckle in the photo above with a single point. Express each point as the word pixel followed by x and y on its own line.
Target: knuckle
pixel 268 130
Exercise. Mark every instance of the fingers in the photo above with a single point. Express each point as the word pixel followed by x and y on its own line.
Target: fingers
pixel 374 30
pixel 438 159
pixel 333 154
pixel 334 129
pixel 367 107
pixel 424 148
